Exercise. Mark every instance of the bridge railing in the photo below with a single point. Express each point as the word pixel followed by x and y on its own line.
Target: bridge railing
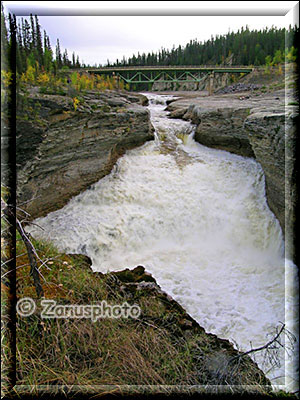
pixel 170 67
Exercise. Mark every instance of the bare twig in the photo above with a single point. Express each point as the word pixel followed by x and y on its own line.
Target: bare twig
pixel 23 211
pixel 39 226
pixel 20 266
pixel 266 346
pixel 28 201
pixel 31 255
pixel 270 352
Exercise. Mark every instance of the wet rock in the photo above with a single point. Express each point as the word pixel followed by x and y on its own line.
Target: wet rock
pixel 169 101
pixel 137 274
pixel 139 270
pixel 272 134
pixel 84 260
pixel 177 113
pixel 135 98
pixel 125 276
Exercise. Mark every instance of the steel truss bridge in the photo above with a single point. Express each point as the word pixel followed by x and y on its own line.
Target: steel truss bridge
pixel 176 74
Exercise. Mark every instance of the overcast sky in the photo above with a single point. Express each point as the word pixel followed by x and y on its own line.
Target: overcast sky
pixel 96 38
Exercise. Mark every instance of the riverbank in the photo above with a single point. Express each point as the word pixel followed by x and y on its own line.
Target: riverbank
pixel 164 347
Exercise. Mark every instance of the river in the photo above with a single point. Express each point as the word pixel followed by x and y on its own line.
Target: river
pixel 198 220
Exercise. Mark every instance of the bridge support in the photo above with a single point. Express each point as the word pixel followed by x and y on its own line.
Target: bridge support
pixel 224 80
pixel 211 84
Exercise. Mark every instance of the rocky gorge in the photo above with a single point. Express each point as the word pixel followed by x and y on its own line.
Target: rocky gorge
pixel 68 150
pixel 71 147
pixel 257 125
pixel 63 150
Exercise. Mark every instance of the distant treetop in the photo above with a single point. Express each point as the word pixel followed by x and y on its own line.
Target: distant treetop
pixel 244 47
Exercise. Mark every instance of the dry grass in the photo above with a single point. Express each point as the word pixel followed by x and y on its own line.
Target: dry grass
pixel 156 350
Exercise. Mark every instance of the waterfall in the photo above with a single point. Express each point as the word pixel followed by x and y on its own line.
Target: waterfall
pixel 198 220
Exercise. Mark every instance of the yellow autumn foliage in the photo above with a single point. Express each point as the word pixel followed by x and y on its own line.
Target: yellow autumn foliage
pixel 6 78
pixel 78 81
pixel 76 101
pixel 43 78
pixel 29 75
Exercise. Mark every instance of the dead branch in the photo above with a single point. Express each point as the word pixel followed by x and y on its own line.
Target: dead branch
pixel 267 345
pixel 31 252
pixel 33 264
pixel 270 352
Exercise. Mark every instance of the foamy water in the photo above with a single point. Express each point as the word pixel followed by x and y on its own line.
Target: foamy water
pixel 198 220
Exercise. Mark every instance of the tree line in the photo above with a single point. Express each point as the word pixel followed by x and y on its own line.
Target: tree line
pixel 245 47
pixel 32 47
pixel 28 52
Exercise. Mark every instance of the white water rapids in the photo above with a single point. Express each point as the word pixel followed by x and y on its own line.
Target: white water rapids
pixel 198 220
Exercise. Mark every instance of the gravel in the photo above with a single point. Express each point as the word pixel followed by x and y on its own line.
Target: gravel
pixel 238 87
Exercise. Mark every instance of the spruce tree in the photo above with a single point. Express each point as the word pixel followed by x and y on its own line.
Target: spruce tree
pixel 38 40
pixel 65 60
pixel 4 41
pixel 26 37
pixel 47 56
pixel 33 35
pixel 20 55
pixel 58 55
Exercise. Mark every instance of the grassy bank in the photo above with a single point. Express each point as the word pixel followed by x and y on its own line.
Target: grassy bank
pixel 163 346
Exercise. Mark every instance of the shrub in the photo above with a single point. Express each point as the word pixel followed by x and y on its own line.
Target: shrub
pixel 30 74
pixel 6 78
pixel 76 101
pixel 43 78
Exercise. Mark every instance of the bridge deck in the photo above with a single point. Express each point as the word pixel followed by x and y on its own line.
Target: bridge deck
pixel 194 68
pixel 169 73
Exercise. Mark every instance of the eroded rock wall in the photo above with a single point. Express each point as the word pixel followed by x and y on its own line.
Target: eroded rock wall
pixel 266 133
pixel 252 126
pixel 72 149
pixel 272 135
pixel 223 129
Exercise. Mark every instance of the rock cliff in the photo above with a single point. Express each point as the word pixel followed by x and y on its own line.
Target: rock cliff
pixel 271 135
pixel 265 129
pixel 251 125
pixel 62 151
pixel 220 119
